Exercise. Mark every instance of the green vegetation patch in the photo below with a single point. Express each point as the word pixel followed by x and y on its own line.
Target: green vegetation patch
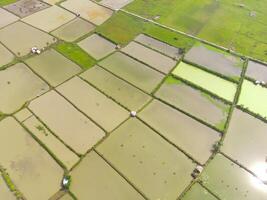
pixel 6 2
pixel 76 54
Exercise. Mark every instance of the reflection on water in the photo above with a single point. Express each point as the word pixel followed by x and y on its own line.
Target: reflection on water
pixel 260 169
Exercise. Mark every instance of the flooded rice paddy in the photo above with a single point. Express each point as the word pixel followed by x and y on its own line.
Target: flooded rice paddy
pixel 115 4
pixel 257 71
pixel 5 55
pixel 6 18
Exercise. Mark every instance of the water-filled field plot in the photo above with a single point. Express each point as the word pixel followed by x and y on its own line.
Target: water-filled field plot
pixel 5 56
pixel 215 60
pixel 53 67
pixel 23 114
pixel 88 10
pixel 93 103
pixel 133 71
pixel 152 58
pixel 119 90
pixel 28 38
pixel 73 30
pixel 49 19
pixel 189 135
pixel 257 71
pixel 23 8
pixel 27 162
pixel 212 83
pixel 253 97
pixel 97 46
pixel 228 181
pixel 70 125
pixel 197 192
pixel 6 18
pixel 137 152
pixel 246 142
pixel 115 4
pixel 194 102
pixel 18 84
pixel 94 175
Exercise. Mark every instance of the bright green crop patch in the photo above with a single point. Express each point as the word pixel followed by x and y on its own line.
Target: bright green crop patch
pixel 6 2
pixel 76 54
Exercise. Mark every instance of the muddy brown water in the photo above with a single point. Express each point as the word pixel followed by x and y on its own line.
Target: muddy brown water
pixel 121 91
pixel 133 71
pixel 28 38
pixel 88 10
pixel 30 167
pixel 73 30
pixel 257 71
pixel 93 103
pixel 93 178
pixel 18 84
pixel 75 129
pixel 191 136
pixel 97 46
pixel 228 181
pixel 53 67
pixel 222 63
pixel 153 165
pixel 150 57
pixel 195 102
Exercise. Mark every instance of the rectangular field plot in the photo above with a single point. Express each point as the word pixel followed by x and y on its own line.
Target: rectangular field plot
pixel 214 84
pixel 121 91
pixel 197 192
pixel 27 162
pixel 93 178
pixel 115 4
pixel 215 60
pixel 191 136
pixel 28 38
pixel 257 71
pixel 229 181
pixel 6 18
pixel 245 142
pixel 5 56
pixel 154 59
pixel 133 71
pixel 162 47
pixel 53 67
pixel 153 165
pixel 73 30
pixel 5 192
pixel 194 102
pixel 18 84
pixel 88 10
pixel 65 155
pixel 49 19
pixel 93 103
pixel 253 97
pixel 71 126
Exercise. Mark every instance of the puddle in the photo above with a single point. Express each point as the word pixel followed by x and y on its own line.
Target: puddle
pixel 97 46
pixel 197 192
pixel 28 38
pixel 93 178
pixel 115 4
pixel 27 162
pixel 133 71
pixel 53 67
pixel 150 57
pixel 253 97
pixel 194 102
pixel 18 85
pixel 121 91
pixel 5 56
pixel 228 181
pixel 4 190
pixel 67 157
pixel 24 8
pixel 74 128
pixel 246 142
pixel 257 71
pixel 153 165
pixel 215 60
pixel 7 18
pixel 191 136
pixel 49 19
pixel 73 30
pixel 88 10
pixel 158 45
pixel 93 103
pixel 203 79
